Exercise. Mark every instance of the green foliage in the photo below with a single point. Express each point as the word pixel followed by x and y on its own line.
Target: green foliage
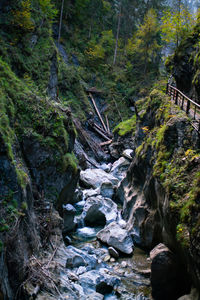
pixel 126 127
pixel 143 48
pixel 48 9
pixel 176 24
pixel 22 16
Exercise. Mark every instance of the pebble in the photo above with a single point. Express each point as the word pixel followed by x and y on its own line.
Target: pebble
pixel 106 258
pixel 124 264
pixel 113 252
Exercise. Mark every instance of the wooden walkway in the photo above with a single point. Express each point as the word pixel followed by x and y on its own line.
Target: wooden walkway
pixel 191 108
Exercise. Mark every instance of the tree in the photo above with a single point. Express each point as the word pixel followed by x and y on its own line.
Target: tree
pixel 143 49
pixel 176 24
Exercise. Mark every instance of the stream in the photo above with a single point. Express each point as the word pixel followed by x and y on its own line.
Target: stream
pixel 96 269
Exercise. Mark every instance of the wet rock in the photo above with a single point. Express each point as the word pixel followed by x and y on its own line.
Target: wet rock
pixel 93 178
pixel 95 280
pixel 67 240
pixel 76 258
pixel 91 193
pixel 99 211
pixel 78 196
pixel 120 167
pixel 168 277
pixel 128 153
pixel 106 167
pixel 107 190
pixel 95 296
pixel 68 216
pixel 81 270
pixel 113 252
pixel 72 276
pixel 115 236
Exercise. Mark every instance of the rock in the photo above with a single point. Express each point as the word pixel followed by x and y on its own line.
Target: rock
pixel 106 167
pixel 106 258
pixel 168 279
pixel 76 258
pixel 120 167
pixel 90 193
pixel 93 178
pixel 72 276
pixel 158 249
pixel 95 296
pixel 113 252
pixel 194 295
pixel 124 264
pixel 99 211
pixel 81 270
pixel 98 280
pixel 112 259
pixel 128 153
pixel 67 240
pixel 78 196
pixel 68 216
pixel 107 190
pixel 116 237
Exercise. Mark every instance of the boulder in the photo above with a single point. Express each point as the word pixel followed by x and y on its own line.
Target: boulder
pixel 169 279
pixel 107 190
pixel 90 193
pixel 120 167
pixel 93 178
pixel 68 216
pixel 99 281
pixel 76 258
pixel 128 153
pixel 115 236
pixel 99 211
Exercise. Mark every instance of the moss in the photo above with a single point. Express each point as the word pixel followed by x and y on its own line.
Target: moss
pixel 176 167
pixel 70 162
pixel 126 127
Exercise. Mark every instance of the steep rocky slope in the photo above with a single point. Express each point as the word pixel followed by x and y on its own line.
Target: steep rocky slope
pixel 162 190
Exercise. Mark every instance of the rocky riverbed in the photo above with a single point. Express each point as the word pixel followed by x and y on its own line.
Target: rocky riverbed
pixel 99 259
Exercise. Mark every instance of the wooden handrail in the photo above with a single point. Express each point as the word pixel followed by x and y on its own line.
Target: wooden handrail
pixel 193 102
pixel 178 97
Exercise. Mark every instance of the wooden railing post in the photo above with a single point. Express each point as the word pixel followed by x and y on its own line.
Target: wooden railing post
pixel 188 107
pixel 182 102
pixel 176 99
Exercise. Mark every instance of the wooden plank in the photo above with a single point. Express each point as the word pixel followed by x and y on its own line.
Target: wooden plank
pixel 101 133
pixel 98 113
pixel 107 123
pixel 106 143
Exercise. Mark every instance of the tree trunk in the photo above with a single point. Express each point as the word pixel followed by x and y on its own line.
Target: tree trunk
pixel 60 25
pixel 117 37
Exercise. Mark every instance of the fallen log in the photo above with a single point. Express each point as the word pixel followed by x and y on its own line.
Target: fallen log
pixel 106 143
pixel 102 134
pixel 98 113
pixel 107 123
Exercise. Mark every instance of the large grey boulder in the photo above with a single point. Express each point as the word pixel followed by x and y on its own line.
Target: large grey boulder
pixel 93 178
pixel 117 237
pixel 99 211
pixel 76 258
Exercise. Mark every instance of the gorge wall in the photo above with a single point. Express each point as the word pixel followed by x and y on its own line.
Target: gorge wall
pixel 161 191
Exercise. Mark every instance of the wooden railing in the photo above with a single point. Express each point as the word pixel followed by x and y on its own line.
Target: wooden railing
pixel 191 108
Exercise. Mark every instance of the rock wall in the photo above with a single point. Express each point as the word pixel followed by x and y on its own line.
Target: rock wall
pixel 161 190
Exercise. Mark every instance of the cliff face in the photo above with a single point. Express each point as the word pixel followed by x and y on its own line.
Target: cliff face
pixel 161 190
pixel 184 65
pixel 38 169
